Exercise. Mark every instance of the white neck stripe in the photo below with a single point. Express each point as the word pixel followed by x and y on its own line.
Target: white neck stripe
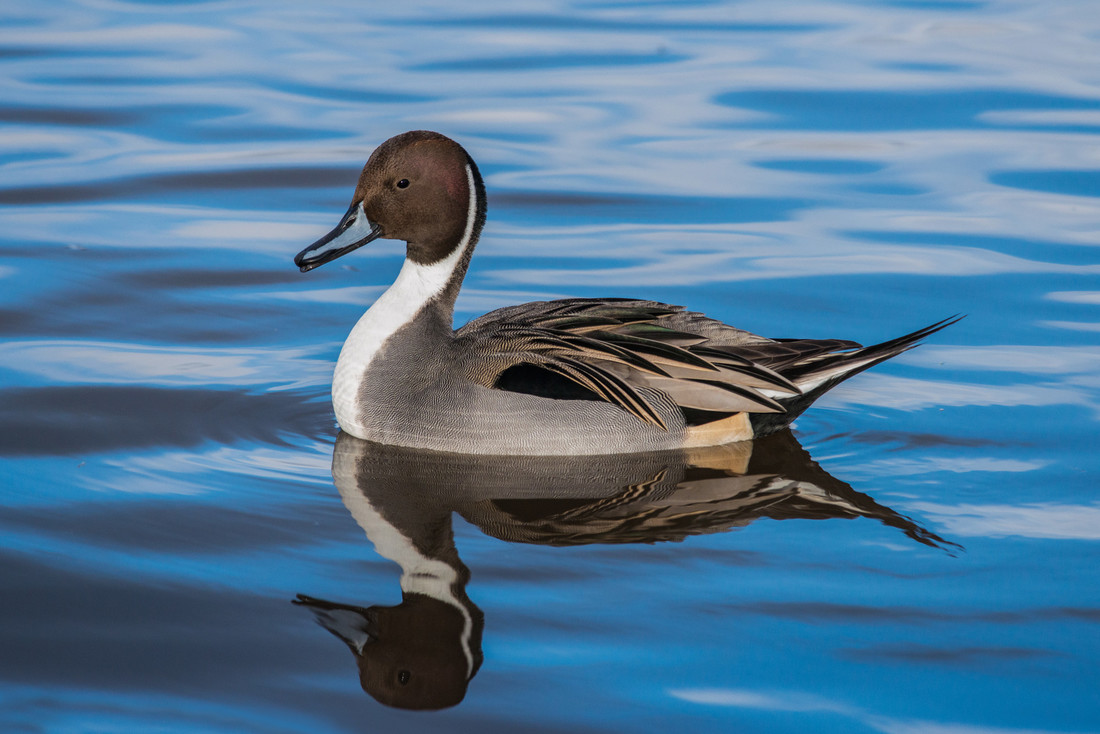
pixel 415 286
pixel 420 574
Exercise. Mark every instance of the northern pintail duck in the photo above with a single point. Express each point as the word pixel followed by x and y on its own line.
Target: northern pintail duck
pixel 572 376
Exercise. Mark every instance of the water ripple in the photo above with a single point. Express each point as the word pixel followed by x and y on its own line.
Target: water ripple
pixel 848 169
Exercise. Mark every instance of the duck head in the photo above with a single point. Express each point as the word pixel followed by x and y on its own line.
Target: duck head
pixel 420 187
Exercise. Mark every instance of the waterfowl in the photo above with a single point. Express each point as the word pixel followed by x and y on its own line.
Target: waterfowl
pixel 567 377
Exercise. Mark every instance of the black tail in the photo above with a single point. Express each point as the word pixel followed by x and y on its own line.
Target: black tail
pixel 820 373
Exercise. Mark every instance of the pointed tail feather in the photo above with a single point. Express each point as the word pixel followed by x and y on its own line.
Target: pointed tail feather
pixel 834 368
pixel 819 374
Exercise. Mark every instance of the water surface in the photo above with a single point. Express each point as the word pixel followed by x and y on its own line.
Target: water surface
pixel 919 555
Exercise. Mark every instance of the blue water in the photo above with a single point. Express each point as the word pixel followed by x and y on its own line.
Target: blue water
pixel 920 556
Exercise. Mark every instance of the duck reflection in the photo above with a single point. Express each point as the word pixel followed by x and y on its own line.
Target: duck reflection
pixel 422 653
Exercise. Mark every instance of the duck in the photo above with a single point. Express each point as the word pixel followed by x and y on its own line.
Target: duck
pixel 574 376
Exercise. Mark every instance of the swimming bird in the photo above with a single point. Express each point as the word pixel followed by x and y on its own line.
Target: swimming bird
pixel 565 377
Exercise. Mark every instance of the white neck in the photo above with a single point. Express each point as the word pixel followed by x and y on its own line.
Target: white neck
pixel 415 287
pixel 420 574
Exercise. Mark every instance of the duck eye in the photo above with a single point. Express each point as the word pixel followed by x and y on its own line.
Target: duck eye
pixel 403 183
pixel 403 677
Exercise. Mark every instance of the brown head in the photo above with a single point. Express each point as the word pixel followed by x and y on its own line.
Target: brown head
pixel 420 654
pixel 421 187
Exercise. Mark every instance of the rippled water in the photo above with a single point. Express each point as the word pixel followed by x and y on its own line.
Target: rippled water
pixel 818 169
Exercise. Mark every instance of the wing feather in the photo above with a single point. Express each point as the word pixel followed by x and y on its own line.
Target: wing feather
pixel 607 386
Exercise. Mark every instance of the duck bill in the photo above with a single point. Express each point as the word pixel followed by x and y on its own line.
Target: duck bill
pixel 353 231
